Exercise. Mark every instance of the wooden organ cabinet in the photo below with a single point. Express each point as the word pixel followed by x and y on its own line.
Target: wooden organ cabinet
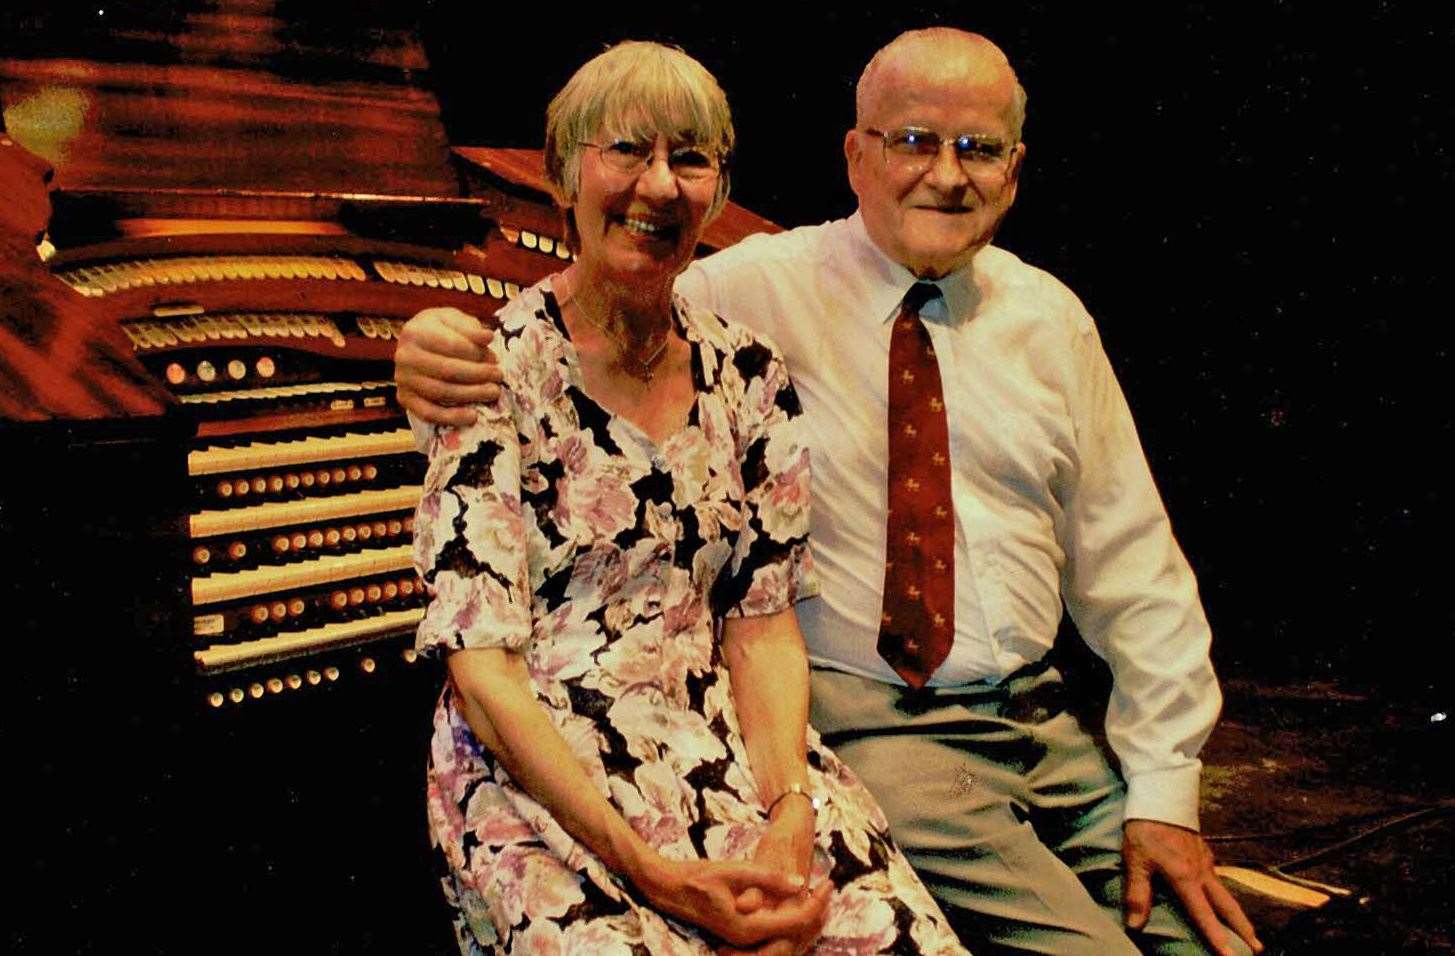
pixel 216 720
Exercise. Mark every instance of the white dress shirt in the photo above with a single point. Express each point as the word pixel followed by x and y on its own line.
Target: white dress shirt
pixel 1052 493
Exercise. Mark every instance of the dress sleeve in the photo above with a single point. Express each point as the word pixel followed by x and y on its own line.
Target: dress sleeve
pixel 771 566
pixel 470 536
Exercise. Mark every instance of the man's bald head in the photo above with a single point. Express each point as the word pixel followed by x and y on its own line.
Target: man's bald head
pixel 940 86
pixel 937 54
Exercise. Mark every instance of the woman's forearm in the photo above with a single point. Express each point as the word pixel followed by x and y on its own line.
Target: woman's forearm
pixel 769 670
pixel 496 698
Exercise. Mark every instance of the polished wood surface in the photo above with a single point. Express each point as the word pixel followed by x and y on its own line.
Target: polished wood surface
pixel 59 360
pixel 232 95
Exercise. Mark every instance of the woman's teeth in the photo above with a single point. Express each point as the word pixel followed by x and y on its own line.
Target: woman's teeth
pixel 645 227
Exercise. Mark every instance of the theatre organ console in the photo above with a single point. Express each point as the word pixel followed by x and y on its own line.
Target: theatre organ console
pixel 208 486
pixel 302 476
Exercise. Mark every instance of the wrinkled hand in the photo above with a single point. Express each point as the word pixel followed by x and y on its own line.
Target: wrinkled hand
pixel 705 893
pixel 1180 856
pixel 442 366
pixel 786 845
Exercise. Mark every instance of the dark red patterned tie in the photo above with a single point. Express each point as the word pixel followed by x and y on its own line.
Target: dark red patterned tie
pixel 918 625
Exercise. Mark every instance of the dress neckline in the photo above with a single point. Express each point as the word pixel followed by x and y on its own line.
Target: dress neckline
pixel 656 450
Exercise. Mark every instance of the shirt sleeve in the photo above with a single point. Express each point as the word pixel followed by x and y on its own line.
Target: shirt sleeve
pixel 696 286
pixel 771 567
pixel 1134 599
pixel 470 536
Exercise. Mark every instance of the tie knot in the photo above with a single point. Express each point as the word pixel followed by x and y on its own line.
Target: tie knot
pixel 919 294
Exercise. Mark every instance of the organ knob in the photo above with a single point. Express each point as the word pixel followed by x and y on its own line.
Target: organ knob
pixel 255 691
pixel 265 367
pixel 275 686
pixel 313 677
pixel 215 699
pixel 330 673
pixel 367 665
pixel 235 695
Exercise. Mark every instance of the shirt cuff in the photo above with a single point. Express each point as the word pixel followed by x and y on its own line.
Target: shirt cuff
pixel 1167 796
pixel 422 431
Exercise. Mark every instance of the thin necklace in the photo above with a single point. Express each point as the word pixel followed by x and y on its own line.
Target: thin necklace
pixel 646 367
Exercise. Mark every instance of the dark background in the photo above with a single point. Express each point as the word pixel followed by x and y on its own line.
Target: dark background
pixel 1254 203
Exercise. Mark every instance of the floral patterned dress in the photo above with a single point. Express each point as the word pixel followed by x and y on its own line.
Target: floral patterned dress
pixel 553 528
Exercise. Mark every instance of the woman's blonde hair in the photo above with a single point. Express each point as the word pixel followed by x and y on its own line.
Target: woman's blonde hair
pixel 634 91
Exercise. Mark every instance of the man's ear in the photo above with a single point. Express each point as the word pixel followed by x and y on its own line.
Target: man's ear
pixel 853 155
pixel 1013 175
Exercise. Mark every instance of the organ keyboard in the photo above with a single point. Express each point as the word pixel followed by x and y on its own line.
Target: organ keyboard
pixel 204 524
pixel 211 459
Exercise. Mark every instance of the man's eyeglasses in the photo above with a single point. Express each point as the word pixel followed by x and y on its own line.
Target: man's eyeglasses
pixel 687 163
pixel 912 146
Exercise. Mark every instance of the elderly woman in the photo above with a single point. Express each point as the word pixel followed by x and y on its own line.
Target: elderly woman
pixel 620 760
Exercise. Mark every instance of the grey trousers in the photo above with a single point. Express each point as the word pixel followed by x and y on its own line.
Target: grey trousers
pixel 1005 806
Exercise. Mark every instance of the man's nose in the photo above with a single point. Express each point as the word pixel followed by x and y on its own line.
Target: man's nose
pixel 945 170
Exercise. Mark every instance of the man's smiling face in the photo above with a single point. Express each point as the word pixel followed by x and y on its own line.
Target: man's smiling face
pixel 933 217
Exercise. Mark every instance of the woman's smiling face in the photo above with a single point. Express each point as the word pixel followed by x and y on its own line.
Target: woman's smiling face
pixel 640 226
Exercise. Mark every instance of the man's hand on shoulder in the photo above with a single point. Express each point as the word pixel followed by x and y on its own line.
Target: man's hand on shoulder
pixel 443 365
pixel 1182 858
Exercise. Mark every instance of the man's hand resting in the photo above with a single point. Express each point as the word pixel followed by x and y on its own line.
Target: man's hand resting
pixel 1179 856
pixel 443 366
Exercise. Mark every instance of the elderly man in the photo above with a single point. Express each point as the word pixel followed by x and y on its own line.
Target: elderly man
pixel 975 465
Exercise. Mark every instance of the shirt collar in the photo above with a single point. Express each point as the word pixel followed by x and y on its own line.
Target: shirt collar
pixel 882 282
